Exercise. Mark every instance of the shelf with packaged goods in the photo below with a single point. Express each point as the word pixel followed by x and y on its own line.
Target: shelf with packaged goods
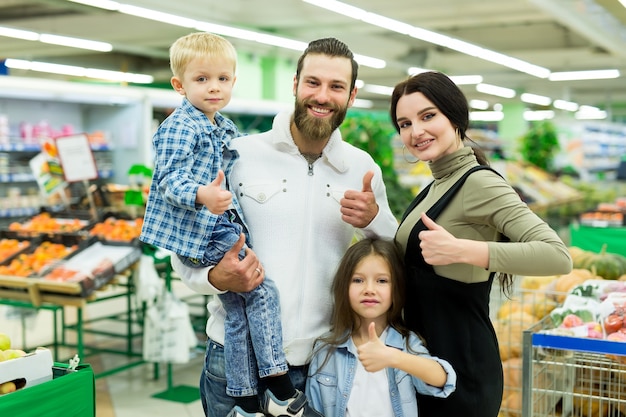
pixel 113 117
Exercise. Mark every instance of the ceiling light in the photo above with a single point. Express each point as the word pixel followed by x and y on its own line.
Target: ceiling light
pixel 56 39
pixel 19 34
pixel 466 79
pixel 495 90
pixel 78 71
pixel 584 75
pixel 538 115
pixel 364 104
pixel 102 4
pixel 157 16
pixel 75 42
pixel 479 104
pixel 249 35
pixel 565 105
pixel 378 89
pixel 432 37
pixel 486 116
pixel 536 99
pixel 590 113
pixel 416 70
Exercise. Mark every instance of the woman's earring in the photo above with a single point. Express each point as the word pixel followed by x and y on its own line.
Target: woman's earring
pixel 404 156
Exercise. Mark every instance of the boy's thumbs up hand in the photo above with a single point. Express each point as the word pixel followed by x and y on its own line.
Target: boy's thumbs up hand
pixel 213 197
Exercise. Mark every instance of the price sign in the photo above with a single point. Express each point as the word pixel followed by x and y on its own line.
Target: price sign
pixel 76 158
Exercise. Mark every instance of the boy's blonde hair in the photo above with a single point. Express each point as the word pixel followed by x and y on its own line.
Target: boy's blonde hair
pixel 197 44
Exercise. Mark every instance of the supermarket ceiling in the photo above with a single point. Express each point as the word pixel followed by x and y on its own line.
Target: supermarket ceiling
pixel 558 35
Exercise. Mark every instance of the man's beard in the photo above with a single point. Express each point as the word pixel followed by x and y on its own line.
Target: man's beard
pixel 315 128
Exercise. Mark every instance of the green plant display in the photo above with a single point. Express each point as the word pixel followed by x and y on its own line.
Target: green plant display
pixel 539 145
pixel 372 132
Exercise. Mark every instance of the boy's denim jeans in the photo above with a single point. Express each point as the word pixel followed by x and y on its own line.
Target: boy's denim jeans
pixel 253 332
pixel 215 401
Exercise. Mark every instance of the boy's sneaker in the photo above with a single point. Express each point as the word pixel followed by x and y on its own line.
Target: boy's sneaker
pixel 238 412
pixel 294 407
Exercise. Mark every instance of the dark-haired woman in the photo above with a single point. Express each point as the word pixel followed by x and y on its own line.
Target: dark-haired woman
pixel 468 225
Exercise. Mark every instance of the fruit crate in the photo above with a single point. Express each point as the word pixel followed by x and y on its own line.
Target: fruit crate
pixel 50 223
pixel 88 261
pixel 566 376
pixel 11 245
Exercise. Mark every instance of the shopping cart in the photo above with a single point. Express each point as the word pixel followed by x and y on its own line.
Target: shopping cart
pixel 569 376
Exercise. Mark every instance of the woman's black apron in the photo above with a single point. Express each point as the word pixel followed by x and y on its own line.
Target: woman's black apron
pixel 453 318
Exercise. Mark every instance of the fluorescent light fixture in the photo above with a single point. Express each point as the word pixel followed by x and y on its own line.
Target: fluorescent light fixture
pixel 378 89
pixel 101 4
pixel 538 115
pixel 416 70
pixel 466 79
pixel 364 104
pixel 566 105
pixel 370 61
pixel 75 42
pixel 432 37
pixel 157 16
pixel 458 79
pixel 249 35
pixel 590 113
pixel 623 2
pixel 495 90
pixel 584 75
pixel 19 34
pixel 536 99
pixel 78 71
pixel 486 116
pixel 479 104
pixel 56 39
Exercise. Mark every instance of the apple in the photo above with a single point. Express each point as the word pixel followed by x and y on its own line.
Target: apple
pixel 7 387
pixel 13 354
pixel 5 341
pixel 613 323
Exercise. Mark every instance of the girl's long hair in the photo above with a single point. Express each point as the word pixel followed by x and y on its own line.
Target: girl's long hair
pixel 344 321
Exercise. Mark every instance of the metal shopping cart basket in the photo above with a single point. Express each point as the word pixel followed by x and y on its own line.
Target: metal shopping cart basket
pixel 565 376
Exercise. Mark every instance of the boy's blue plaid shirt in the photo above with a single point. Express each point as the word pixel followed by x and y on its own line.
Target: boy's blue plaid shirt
pixel 189 151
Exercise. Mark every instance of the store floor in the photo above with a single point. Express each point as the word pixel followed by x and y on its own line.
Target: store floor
pixel 131 393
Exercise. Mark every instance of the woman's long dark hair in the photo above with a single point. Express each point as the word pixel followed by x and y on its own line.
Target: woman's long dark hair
pixel 440 90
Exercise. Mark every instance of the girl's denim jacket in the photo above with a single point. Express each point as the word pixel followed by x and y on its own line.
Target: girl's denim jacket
pixel 328 389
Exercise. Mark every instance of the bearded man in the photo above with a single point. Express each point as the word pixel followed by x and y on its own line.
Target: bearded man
pixel 305 194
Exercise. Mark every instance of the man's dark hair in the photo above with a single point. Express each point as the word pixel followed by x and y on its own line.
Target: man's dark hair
pixel 330 47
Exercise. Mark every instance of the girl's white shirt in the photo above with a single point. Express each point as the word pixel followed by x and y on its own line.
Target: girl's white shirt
pixel 370 395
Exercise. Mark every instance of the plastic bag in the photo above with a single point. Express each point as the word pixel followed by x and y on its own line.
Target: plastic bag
pixel 168 333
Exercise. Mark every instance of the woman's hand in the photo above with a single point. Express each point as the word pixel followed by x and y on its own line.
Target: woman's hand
pixel 439 247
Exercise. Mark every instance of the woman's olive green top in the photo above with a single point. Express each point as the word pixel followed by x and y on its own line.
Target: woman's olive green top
pixel 485 207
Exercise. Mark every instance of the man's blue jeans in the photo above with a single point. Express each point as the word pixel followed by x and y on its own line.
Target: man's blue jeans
pixel 215 401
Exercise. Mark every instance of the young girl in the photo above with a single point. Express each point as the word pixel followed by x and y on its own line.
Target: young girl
pixel 369 364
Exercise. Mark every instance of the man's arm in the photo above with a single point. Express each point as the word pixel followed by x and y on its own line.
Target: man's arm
pixel 230 274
